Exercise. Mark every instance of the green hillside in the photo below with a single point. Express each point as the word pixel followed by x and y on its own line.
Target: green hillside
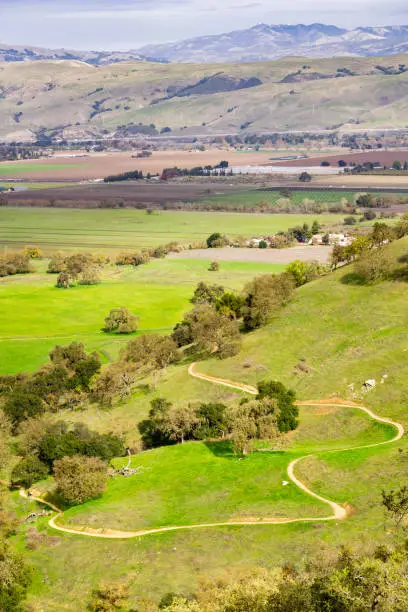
pixel 292 93
pixel 334 334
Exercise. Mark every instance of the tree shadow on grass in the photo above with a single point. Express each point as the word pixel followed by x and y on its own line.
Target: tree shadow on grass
pixel 225 450
pixel 222 449
pixel 353 279
pixel 400 274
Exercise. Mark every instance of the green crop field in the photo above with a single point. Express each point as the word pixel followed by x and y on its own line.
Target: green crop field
pixel 249 199
pixel 7 169
pixel 116 230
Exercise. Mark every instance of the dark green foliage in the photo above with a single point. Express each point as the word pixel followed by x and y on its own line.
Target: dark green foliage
pixel 305 177
pixel 182 335
pixel 132 175
pixel 288 411
pixel 154 430
pixel 59 442
pixel 85 370
pixel 22 404
pixel 213 421
pixel 27 471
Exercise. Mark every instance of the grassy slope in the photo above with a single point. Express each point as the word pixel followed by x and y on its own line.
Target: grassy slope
pixel 117 230
pixel 346 333
pixel 213 485
pixel 72 93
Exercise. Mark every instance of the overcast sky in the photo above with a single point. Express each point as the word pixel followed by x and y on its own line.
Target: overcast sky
pixel 129 24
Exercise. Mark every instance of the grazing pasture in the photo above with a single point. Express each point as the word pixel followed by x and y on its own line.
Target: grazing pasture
pixel 36 315
pixel 112 231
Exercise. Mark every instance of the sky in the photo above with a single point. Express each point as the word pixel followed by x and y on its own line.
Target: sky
pixel 129 24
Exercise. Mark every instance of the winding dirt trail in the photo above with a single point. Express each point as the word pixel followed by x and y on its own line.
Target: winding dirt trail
pixel 338 511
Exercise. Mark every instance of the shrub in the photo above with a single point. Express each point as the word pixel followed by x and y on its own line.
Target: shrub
pixel 151 351
pixel 214 266
pixel 217 240
pixel 350 221
pixel 207 293
pixel 63 281
pixel 264 295
pixel 137 258
pixel 80 478
pixel 121 321
pixel 374 265
pixel 90 276
pixel 305 177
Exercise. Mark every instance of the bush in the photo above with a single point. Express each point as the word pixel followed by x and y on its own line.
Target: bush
pixel 80 478
pixel 305 271
pixel 305 177
pixel 374 265
pixel 217 240
pixel 350 221
pixel 207 293
pixel 152 351
pixel 264 295
pixel 137 258
pixel 63 281
pixel 214 266
pixel 28 471
pixel 121 321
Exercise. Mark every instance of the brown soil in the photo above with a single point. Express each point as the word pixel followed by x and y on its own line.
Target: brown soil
pixel 383 157
pixel 99 165
pixel 278 256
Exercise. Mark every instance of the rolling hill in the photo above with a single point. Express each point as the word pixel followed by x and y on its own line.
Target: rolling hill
pixel 72 99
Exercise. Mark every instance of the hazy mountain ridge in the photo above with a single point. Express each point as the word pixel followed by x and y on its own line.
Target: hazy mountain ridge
pixel 263 42
pixel 10 53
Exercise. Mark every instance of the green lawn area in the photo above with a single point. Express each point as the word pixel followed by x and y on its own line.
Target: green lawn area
pixel 20 168
pixel 36 315
pixel 212 486
pixel 116 230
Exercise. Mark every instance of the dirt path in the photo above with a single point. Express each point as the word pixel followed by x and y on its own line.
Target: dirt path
pixel 338 511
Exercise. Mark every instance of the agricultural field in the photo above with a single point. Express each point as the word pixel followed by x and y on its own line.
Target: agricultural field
pixel 99 165
pixel 112 231
pixel 19 187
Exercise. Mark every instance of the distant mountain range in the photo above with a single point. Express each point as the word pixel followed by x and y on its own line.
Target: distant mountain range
pixel 266 42
pixel 259 43
pixel 9 53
